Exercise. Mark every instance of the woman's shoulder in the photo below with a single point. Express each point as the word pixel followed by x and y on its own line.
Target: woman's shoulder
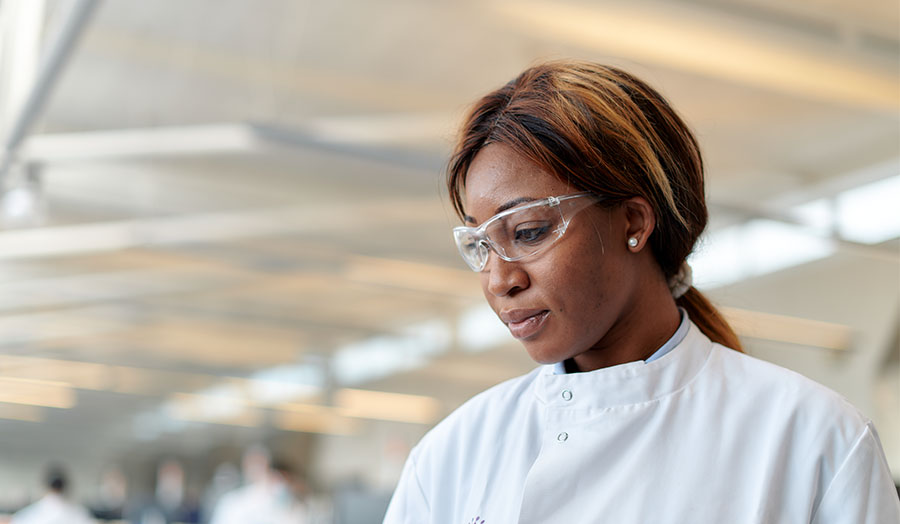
pixel 757 373
pixel 815 435
pixel 784 392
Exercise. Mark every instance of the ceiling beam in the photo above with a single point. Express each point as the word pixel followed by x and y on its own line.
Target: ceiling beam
pixel 62 43
pixel 354 137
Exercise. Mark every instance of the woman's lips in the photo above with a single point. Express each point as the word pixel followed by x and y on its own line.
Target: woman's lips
pixel 524 324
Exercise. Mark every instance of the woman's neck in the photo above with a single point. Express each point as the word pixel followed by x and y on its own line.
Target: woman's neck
pixel 638 333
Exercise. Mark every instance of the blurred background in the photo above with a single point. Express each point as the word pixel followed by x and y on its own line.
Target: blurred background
pixel 225 233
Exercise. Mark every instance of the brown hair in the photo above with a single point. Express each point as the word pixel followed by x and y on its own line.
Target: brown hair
pixel 602 130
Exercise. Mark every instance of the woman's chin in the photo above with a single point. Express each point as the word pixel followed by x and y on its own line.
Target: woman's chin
pixel 543 355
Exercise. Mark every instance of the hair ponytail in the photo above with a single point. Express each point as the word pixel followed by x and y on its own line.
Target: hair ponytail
pixel 708 319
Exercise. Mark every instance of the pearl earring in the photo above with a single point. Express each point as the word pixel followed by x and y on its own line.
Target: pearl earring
pixel 632 242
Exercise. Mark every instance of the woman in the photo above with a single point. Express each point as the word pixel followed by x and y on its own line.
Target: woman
pixel 582 195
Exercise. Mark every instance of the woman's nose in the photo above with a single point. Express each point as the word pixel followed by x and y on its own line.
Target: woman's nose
pixel 501 278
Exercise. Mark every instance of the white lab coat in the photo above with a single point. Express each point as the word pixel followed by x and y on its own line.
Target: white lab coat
pixel 260 503
pixel 702 435
pixel 52 509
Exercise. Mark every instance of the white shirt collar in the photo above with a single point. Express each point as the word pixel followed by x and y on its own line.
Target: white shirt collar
pixel 629 383
pixel 560 367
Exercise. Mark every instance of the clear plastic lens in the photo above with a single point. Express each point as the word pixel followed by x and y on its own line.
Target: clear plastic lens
pixel 473 251
pixel 519 232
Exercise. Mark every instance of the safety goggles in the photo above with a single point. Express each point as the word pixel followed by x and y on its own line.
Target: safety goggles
pixel 522 231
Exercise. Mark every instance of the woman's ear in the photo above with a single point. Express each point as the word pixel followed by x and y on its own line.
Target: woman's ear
pixel 640 220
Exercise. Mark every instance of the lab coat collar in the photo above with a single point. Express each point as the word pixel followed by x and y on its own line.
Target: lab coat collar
pixel 629 383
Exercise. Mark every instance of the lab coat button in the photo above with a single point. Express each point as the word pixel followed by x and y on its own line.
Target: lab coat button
pixel 562 436
pixel 567 395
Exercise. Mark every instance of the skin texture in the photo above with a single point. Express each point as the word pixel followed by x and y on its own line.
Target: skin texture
pixel 608 303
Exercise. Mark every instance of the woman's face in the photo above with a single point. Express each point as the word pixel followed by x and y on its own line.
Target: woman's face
pixel 569 299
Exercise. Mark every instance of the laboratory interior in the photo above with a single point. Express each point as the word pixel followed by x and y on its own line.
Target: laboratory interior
pixel 225 233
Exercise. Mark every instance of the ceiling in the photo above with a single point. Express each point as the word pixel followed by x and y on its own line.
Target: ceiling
pixel 234 223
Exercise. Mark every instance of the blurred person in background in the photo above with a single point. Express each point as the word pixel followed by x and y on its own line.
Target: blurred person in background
pixel 289 492
pixel 112 494
pixel 168 503
pixel 226 479
pixel 53 507
pixel 582 194
pixel 269 495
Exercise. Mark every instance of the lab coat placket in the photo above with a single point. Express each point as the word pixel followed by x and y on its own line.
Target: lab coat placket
pixel 547 486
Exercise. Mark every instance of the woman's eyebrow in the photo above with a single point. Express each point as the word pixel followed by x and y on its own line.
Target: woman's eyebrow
pixel 503 207
pixel 513 203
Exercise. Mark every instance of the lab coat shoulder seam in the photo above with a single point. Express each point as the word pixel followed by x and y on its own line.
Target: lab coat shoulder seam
pixel 852 451
pixel 415 472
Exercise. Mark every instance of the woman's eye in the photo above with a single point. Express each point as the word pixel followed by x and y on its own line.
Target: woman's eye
pixel 531 233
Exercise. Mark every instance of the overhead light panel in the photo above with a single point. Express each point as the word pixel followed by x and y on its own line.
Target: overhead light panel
pixel 704 42
pixel 867 213
pixel 384 355
pixel 36 392
pixel 870 213
pixel 318 422
pixel 141 142
pixel 383 405
pixel 755 248
pixel 211 408
pixel 478 329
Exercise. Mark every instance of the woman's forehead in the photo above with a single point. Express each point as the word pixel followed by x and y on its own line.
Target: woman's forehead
pixel 499 176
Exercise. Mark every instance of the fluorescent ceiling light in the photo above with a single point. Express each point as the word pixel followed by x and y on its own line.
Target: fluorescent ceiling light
pixel 21 206
pixel 36 392
pixel 374 405
pixel 755 248
pixel 769 246
pixel 285 383
pixel 867 213
pixel 375 358
pixel 185 229
pixel 82 375
pixel 386 406
pixel 701 42
pixel 817 214
pixel 219 405
pixel 479 329
pixel 382 356
pixel 316 422
pixel 93 145
pixel 21 39
pixel 347 131
pixel 114 236
pixel 100 377
pixel 870 213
